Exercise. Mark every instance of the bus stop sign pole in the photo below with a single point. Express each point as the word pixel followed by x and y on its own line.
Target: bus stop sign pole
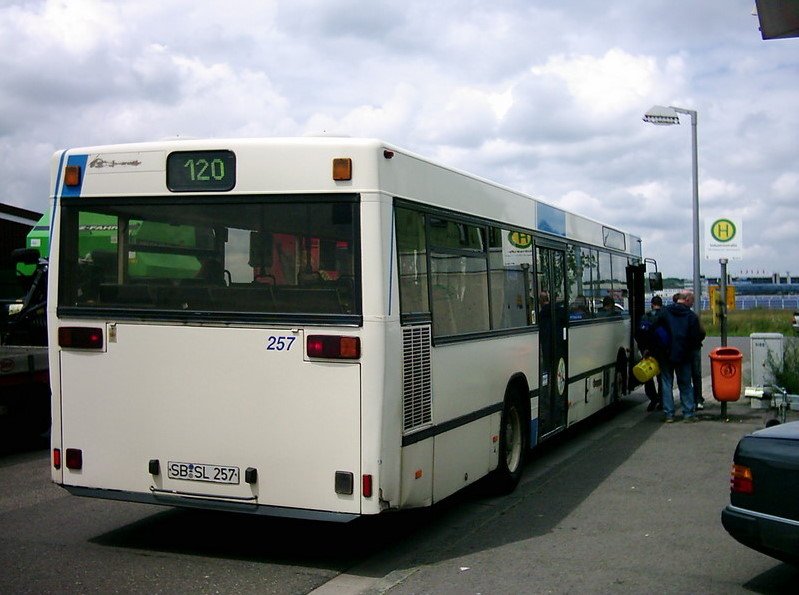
pixel 723 315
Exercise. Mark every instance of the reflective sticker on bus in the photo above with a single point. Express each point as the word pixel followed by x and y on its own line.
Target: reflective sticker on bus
pixel 561 376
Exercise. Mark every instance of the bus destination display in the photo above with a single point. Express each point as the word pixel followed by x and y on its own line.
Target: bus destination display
pixel 201 171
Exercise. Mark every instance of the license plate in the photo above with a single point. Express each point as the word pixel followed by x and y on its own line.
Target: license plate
pixel 202 472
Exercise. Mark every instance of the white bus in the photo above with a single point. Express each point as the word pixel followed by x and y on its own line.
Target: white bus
pixel 318 328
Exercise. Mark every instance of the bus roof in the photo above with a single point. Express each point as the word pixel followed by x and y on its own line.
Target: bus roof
pixel 304 166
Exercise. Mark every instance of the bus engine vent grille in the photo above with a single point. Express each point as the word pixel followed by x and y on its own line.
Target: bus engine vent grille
pixel 417 396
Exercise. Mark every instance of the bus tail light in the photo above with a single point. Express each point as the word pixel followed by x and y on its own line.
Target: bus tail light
pixel 367 486
pixel 57 458
pixel 741 480
pixel 333 346
pixel 80 337
pixel 74 459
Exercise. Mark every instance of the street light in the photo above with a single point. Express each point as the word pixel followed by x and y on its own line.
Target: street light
pixel 666 116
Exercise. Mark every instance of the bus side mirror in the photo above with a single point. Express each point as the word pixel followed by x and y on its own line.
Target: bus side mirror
pixel 655 282
pixel 260 249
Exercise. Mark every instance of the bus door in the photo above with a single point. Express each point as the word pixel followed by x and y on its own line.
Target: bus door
pixel 637 307
pixel 553 338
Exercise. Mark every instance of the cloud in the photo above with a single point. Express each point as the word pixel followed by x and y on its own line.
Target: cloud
pixel 653 191
pixel 612 84
pixel 546 99
pixel 715 192
pixel 367 120
pixel 77 28
pixel 787 186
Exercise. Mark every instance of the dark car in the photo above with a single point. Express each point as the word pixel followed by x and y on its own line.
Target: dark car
pixel 763 513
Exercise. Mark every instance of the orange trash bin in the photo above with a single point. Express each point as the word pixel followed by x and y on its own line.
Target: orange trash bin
pixel 725 372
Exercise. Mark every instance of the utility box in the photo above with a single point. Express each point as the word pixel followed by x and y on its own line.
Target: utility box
pixel 765 347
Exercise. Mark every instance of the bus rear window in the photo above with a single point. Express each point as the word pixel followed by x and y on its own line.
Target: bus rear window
pixel 270 256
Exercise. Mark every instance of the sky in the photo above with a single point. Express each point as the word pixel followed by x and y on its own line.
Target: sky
pixel 543 97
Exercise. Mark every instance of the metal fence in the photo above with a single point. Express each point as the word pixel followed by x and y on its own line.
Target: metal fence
pixel 768 302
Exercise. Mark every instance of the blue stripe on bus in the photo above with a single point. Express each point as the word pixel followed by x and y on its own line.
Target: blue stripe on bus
pixel 533 431
pixel 55 196
pixel 80 161
pixel 58 173
pixel 551 219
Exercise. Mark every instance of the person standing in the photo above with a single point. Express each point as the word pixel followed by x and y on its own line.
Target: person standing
pixel 681 325
pixel 649 348
pixel 696 360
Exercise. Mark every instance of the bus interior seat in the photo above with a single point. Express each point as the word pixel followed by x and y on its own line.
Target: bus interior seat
pixel 313 278
pixel 245 297
pixel 113 294
pixel 183 297
pixel 211 272
pixel 310 300
pixel 106 263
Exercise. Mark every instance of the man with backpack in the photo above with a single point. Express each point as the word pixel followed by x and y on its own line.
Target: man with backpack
pixel 648 344
pixel 681 325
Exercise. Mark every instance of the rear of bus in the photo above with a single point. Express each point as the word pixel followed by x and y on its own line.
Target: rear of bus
pixel 207 326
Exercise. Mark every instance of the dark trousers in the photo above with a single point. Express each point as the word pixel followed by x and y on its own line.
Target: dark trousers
pixel 652 390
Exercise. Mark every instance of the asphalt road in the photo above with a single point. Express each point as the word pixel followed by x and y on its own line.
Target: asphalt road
pixel 630 506
pixel 623 504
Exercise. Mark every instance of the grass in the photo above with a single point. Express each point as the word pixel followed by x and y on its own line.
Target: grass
pixel 786 374
pixel 742 323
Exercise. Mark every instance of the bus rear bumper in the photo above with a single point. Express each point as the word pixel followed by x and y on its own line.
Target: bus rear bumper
pixel 212 504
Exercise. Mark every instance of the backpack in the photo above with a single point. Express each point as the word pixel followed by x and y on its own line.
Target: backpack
pixel 652 336
pixel 662 338
pixel 644 334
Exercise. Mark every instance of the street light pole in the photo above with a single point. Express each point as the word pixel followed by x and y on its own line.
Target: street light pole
pixel 695 175
pixel 667 116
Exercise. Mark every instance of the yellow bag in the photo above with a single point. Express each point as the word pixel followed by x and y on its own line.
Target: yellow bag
pixel 646 369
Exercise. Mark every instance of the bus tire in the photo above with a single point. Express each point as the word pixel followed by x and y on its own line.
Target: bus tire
pixel 619 379
pixel 36 411
pixel 513 444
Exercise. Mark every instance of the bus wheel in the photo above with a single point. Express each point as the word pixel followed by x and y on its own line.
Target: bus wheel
pixel 618 380
pixel 36 412
pixel 513 446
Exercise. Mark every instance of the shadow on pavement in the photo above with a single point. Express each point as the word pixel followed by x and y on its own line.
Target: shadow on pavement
pixel 13 442
pixel 783 578
pixel 428 535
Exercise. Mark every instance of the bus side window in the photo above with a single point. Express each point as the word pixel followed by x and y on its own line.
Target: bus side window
pixel 578 309
pixel 412 261
pixel 443 316
pixel 510 264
